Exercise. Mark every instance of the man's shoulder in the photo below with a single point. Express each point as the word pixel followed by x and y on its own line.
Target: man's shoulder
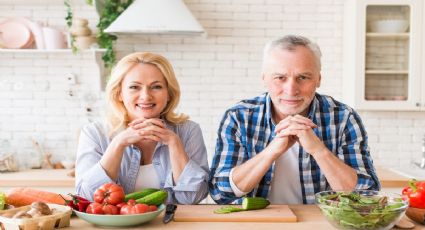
pixel 251 104
pixel 327 104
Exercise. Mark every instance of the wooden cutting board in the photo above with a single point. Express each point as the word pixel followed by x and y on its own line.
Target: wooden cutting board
pixel 205 213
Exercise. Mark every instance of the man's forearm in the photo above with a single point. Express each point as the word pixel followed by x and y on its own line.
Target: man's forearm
pixel 339 175
pixel 247 175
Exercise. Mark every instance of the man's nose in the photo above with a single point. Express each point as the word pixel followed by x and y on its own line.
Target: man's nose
pixel 291 87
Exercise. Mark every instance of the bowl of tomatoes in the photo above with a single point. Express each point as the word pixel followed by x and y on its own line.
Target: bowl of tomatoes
pixel 120 220
pixel 112 208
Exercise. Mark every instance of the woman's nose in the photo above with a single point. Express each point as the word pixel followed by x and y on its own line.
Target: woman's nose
pixel 145 93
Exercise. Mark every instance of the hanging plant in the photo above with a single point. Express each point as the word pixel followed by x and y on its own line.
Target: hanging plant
pixel 68 18
pixel 111 10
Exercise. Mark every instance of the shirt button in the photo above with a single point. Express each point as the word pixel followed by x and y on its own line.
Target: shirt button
pixel 267 182
pixel 156 163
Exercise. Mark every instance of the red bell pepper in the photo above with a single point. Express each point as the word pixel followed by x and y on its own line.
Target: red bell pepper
pixel 416 193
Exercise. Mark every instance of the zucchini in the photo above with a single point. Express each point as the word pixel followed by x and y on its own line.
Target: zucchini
pixel 253 203
pixel 155 198
pixel 140 194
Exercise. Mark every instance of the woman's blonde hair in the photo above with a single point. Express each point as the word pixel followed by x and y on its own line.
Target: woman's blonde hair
pixel 117 117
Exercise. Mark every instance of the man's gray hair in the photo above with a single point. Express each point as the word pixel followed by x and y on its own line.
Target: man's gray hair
pixel 289 43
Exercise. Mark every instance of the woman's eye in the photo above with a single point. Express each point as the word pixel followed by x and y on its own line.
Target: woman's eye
pixel 133 87
pixel 157 87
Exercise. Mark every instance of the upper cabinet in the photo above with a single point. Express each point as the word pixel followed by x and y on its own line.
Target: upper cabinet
pixel 382 55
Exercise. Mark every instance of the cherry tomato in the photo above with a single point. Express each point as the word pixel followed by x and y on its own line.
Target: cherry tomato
pixel 133 208
pixel 95 208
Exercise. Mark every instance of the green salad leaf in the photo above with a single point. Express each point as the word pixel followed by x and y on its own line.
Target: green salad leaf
pixel 357 211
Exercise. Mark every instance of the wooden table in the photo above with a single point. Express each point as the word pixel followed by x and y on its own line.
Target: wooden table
pixel 309 218
pixel 390 179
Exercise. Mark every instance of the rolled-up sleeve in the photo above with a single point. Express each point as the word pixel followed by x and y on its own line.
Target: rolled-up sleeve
pixel 229 152
pixel 89 173
pixel 192 185
pixel 355 151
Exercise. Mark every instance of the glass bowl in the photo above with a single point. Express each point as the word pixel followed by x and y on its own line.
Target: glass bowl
pixel 120 220
pixel 362 209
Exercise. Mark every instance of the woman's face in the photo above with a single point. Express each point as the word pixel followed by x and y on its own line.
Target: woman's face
pixel 144 92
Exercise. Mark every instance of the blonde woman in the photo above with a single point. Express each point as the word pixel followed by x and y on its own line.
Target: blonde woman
pixel 144 143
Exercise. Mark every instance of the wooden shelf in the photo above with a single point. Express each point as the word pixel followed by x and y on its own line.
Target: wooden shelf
pixel 388 35
pixel 382 71
pixel 49 51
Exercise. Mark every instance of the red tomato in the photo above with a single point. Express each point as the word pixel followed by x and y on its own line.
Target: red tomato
pixel 133 208
pixel 120 205
pixel 152 208
pixel 95 208
pixel 110 209
pixel 109 193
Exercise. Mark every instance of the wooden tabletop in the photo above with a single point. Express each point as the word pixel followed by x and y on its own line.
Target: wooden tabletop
pixel 309 218
pixel 390 179
pixel 37 178
pixel 59 178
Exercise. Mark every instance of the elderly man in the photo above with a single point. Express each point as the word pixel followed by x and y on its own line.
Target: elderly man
pixel 291 142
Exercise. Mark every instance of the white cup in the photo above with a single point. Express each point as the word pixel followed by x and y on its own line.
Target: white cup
pixel 53 38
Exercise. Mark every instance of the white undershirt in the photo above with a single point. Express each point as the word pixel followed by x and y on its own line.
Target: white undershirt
pixel 286 185
pixel 146 178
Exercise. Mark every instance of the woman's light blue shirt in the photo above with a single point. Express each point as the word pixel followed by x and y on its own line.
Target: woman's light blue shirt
pixel 191 187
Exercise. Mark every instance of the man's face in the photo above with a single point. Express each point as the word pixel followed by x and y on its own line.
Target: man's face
pixel 291 78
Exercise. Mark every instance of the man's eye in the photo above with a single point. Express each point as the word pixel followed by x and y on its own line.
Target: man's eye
pixel 280 78
pixel 302 78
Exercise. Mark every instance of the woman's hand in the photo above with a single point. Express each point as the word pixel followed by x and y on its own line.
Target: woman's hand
pixel 154 129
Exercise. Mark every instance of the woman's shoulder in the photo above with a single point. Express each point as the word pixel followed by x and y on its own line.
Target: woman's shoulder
pixel 187 127
pixel 95 128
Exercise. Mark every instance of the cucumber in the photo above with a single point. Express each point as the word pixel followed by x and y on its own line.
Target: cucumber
pixel 140 194
pixel 155 198
pixel 248 203
pixel 253 203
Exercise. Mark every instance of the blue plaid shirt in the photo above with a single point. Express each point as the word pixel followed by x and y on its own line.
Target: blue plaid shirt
pixel 247 128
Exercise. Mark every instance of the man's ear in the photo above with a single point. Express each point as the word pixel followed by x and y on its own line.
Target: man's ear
pixel 320 79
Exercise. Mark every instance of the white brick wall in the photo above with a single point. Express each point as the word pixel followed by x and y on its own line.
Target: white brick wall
pixel 214 71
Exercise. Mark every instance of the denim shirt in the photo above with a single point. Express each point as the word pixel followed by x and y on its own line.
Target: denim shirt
pixel 191 186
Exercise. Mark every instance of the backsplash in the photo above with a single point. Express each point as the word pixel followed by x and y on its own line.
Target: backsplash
pixel 39 100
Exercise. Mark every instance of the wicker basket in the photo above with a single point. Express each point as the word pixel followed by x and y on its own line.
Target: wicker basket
pixel 59 219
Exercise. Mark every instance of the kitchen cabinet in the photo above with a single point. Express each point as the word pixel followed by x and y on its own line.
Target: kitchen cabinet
pixel 382 54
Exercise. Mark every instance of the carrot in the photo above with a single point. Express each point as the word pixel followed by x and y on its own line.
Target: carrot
pixel 25 196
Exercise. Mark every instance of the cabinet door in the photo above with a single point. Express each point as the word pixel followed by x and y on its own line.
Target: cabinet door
pixel 382 52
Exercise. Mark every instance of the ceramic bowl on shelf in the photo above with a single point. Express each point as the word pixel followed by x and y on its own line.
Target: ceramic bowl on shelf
pixel 362 209
pixel 389 26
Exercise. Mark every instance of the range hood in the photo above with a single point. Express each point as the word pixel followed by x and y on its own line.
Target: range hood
pixel 156 17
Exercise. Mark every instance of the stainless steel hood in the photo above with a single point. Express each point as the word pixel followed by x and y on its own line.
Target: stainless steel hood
pixel 156 17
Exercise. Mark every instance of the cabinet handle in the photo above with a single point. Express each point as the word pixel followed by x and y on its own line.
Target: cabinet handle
pixel 418 104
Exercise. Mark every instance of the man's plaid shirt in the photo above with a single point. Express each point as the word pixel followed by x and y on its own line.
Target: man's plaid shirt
pixel 247 128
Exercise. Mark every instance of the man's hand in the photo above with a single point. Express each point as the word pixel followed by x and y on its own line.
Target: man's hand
pixel 300 129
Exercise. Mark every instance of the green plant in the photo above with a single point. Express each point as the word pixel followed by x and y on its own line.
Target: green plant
pixel 68 19
pixel 112 9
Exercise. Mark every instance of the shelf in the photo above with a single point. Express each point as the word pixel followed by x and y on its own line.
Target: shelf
pixel 387 35
pixel 382 71
pixel 49 51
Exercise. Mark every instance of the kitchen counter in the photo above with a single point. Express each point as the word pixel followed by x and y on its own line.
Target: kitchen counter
pixel 37 178
pixel 309 217
pixel 59 178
